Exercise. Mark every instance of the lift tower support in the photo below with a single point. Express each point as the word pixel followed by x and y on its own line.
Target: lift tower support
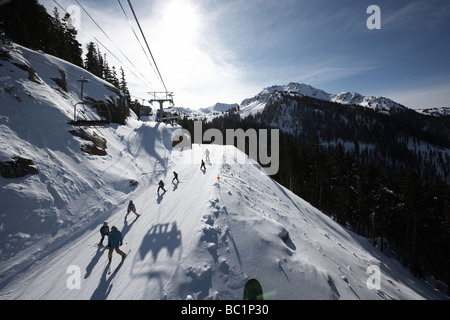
pixel 161 97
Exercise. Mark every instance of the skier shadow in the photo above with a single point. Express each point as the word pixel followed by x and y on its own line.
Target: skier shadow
pixel 127 227
pixel 175 185
pixel 104 287
pixel 94 261
pixel 160 197
pixel 159 237
pixel 204 171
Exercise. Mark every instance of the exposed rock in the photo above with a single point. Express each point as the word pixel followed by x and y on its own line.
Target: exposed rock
pixel 17 168
pixel 99 143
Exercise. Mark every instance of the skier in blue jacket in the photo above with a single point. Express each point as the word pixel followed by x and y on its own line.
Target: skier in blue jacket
pixel 115 240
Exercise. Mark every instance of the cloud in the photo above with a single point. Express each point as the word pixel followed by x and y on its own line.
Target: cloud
pixel 420 14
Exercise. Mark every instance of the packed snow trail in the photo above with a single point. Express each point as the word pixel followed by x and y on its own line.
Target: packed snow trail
pixel 206 237
pixel 160 238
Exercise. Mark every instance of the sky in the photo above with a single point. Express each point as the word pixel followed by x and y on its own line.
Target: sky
pixel 210 51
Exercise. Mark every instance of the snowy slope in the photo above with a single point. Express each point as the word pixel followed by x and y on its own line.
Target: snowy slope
pixel 203 239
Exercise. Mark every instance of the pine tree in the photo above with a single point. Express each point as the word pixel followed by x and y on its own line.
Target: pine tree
pixel 114 79
pixel 75 50
pixel 123 86
pixel 31 26
pixel 92 61
pixel 107 72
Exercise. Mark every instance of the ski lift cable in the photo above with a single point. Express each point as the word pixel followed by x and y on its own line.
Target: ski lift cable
pixel 144 81
pixel 109 38
pixel 134 32
pixel 137 37
pixel 148 47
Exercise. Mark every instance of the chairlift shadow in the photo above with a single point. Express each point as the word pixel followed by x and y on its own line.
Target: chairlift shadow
pixel 160 236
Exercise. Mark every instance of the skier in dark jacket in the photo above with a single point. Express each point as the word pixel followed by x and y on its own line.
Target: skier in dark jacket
pixel 115 240
pixel 104 231
pixel 203 165
pixel 175 177
pixel 161 186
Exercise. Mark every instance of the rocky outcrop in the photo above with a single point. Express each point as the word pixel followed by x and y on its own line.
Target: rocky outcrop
pixel 17 168
pixel 99 145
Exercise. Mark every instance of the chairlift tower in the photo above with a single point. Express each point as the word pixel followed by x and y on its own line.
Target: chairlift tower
pixel 83 81
pixel 161 97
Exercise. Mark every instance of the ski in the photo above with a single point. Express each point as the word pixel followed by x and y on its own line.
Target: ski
pixel 126 220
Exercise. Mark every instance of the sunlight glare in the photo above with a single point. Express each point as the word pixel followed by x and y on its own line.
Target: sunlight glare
pixel 181 21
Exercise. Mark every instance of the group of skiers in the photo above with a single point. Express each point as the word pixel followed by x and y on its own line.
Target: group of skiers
pixel 115 237
pixel 161 183
pixel 115 240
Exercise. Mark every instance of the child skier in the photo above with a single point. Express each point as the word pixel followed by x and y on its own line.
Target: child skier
pixel 175 177
pixel 131 208
pixel 203 165
pixel 161 186
pixel 104 231
pixel 115 240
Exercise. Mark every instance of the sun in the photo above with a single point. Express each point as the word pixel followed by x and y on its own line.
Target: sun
pixel 181 20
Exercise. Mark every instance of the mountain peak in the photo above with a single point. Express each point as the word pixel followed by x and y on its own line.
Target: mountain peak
pixel 301 89
pixel 381 104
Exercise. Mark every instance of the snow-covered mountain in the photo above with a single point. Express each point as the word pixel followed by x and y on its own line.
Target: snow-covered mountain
pixel 202 239
pixel 207 113
pixel 443 111
pixel 258 103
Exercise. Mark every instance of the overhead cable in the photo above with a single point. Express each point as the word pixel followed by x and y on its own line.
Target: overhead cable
pixel 144 81
pixel 148 47
pixel 118 48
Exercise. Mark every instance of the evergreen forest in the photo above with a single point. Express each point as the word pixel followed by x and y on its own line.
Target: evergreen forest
pixel 354 165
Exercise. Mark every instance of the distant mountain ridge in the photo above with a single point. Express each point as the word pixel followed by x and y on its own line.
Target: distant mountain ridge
pixel 374 129
pixel 381 104
pixel 258 102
